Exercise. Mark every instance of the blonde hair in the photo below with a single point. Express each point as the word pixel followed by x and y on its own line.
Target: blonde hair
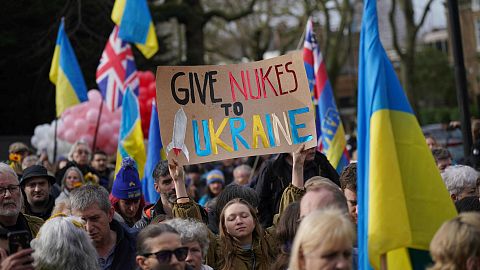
pixel 456 241
pixel 317 182
pixel 321 227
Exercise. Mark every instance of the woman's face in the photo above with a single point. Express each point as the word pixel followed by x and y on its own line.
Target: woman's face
pixel 72 180
pixel 81 154
pixel 129 208
pixel 328 256
pixel 239 221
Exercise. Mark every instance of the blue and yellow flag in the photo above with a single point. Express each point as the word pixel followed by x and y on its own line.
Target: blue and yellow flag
pixel 135 25
pixel 155 153
pixel 65 73
pixel 402 200
pixel 130 135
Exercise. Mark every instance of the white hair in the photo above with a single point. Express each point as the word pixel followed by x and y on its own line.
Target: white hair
pixel 7 170
pixel 62 244
pixel 457 178
pixel 243 168
pixel 191 230
pixel 74 148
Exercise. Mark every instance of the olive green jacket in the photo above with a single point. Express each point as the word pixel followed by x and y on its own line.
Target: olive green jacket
pixel 251 259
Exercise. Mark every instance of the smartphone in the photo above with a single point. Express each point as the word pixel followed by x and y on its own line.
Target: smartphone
pixel 18 240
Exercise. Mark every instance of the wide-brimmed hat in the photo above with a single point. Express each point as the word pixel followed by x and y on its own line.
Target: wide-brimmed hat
pixel 36 171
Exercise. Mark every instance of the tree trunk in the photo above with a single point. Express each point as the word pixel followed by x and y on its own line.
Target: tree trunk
pixel 195 42
pixel 407 76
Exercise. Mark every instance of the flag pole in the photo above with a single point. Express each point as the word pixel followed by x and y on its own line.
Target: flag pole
pixel 302 39
pixel 383 262
pixel 55 140
pixel 96 127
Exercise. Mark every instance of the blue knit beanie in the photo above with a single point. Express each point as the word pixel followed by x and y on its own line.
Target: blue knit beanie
pixel 127 183
pixel 215 176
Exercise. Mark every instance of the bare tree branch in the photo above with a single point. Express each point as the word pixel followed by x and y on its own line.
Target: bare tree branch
pixel 229 17
pixel 393 25
pixel 424 15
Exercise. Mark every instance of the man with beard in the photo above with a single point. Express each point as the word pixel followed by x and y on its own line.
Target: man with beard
pixel 165 186
pixel 11 204
pixel 12 220
pixel 36 184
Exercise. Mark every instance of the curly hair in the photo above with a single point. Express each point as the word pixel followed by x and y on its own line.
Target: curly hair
pixel 348 177
pixel 191 231
pixel 62 243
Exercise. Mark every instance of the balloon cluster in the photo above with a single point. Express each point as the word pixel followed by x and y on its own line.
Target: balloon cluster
pixel 79 123
pixel 43 140
pixel 146 97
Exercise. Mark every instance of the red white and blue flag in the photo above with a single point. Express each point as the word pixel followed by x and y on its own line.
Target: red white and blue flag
pixel 116 71
pixel 331 135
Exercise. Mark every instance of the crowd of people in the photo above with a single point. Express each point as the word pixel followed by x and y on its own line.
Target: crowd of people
pixel 285 211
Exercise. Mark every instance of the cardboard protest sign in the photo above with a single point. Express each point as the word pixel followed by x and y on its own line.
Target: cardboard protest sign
pixel 210 113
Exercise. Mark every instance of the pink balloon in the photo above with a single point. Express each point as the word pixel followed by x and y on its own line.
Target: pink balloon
pixel 70 136
pixel 105 119
pixel 105 130
pixel 67 121
pixel 114 139
pixel 88 139
pixel 110 149
pixel 94 96
pixel 80 126
pixel 115 125
pixel 92 116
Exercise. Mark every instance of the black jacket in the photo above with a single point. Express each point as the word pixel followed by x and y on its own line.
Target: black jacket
pixel 276 174
pixel 125 248
pixel 44 215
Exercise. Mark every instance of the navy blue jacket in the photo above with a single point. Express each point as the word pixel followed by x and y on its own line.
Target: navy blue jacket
pixel 125 248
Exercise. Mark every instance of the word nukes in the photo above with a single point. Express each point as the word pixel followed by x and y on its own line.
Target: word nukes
pixel 261 82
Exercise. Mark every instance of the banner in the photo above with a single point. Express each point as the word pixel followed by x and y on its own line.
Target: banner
pixel 210 113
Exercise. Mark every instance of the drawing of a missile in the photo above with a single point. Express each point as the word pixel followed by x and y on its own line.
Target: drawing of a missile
pixel 178 137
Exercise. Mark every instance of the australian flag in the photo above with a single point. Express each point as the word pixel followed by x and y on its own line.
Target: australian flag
pixel 116 71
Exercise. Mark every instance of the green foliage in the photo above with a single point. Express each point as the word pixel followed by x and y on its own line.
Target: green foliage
pixel 443 114
pixel 434 79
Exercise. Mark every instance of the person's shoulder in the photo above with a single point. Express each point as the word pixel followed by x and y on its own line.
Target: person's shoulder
pixel 34 220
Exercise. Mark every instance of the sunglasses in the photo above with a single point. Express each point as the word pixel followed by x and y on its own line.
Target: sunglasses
pixel 164 256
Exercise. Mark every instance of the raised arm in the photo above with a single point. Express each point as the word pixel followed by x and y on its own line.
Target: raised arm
pixel 178 175
pixel 184 207
pixel 299 156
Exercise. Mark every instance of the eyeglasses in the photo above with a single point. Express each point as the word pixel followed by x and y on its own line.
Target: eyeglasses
pixel 12 189
pixel 164 256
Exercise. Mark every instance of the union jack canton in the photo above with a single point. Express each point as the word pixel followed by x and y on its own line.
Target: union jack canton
pixel 116 71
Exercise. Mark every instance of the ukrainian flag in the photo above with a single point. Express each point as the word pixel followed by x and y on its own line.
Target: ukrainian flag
pixel 155 153
pixel 135 25
pixel 130 135
pixel 402 198
pixel 65 73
